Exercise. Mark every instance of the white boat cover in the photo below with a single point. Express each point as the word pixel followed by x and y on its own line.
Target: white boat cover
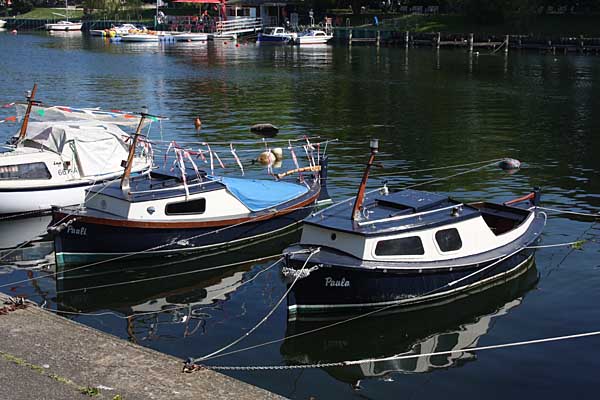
pixel 96 148
pixel 42 113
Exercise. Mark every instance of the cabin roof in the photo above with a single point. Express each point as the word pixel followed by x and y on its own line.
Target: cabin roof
pixel 397 212
pixel 161 185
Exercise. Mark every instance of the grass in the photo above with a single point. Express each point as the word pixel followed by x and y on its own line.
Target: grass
pixel 47 13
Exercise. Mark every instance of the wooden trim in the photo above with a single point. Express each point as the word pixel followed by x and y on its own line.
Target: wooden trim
pixel 185 224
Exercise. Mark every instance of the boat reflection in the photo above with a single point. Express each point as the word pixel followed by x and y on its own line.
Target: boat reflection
pixel 456 325
pixel 175 291
pixel 24 242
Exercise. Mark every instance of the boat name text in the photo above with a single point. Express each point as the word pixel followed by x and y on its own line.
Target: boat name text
pixel 77 231
pixel 330 282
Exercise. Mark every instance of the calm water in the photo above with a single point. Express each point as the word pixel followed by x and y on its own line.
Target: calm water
pixel 429 110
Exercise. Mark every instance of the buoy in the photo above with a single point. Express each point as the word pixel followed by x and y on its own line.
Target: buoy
pixel 509 164
pixel 264 129
pixel 237 45
pixel 224 42
pixel 14 31
pixel 266 157
pixel 278 153
pixel 198 123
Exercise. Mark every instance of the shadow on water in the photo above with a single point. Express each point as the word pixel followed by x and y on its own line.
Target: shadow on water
pixel 446 327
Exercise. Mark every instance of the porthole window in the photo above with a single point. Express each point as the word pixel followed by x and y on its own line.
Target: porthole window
pixel 448 239
pixel 409 246
pixel 36 170
pixel 196 206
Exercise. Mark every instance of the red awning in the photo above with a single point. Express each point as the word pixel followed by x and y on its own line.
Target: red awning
pixel 199 1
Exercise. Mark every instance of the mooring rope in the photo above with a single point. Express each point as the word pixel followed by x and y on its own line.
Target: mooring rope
pixel 591 215
pixel 214 353
pixel 403 356
pixel 337 323
pixel 495 160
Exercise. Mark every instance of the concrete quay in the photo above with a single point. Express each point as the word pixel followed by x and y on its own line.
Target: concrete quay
pixel 45 356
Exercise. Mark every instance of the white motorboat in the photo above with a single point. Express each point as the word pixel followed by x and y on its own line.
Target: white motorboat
pixel 53 162
pixel 63 26
pixel 275 34
pixel 190 37
pixel 2 23
pixel 140 37
pixel 313 37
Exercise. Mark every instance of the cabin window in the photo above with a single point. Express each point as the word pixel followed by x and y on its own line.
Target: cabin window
pixel 409 246
pixel 448 239
pixel 25 171
pixel 196 206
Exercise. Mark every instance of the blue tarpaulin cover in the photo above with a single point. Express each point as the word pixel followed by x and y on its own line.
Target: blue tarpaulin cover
pixel 258 194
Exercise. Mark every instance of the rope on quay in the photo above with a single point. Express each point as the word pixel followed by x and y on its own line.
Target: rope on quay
pixel 403 356
pixel 214 353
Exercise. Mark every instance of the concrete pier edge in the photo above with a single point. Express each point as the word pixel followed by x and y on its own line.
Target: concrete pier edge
pixel 46 356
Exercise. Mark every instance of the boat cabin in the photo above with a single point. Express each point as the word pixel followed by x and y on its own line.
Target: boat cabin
pixel 411 225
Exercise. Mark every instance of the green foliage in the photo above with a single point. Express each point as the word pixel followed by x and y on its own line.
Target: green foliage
pixel 22 6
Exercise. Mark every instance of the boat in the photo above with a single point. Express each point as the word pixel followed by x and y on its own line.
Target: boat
pixel 2 23
pixel 405 249
pixel 312 36
pixel 118 30
pixel 275 34
pixel 190 37
pixel 52 162
pixel 140 37
pixel 65 25
pixel 164 213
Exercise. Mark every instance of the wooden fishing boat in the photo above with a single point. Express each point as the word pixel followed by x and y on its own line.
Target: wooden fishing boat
pixel 407 248
pixel 163 213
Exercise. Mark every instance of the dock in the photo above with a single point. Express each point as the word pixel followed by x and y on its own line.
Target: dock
pixel 46 356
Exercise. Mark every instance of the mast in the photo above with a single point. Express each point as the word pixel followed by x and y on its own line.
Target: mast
pixel 360 196
pixel 30 102
pixel 129 164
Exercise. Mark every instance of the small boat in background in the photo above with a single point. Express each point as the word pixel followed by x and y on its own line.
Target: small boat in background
pixel 406 248
pixel 190 37
pixel 118 30
pixel 54 160
pixel 2 23
pixel 275 34
pixel 312 36
pixel 63 26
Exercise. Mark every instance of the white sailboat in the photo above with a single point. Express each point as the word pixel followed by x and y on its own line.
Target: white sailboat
pixel 65 25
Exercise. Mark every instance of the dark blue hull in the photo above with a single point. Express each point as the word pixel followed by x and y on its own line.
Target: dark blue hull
pixel 82 242
pixel 332 288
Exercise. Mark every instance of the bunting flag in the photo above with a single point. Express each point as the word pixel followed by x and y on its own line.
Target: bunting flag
pixel 189 157
pixel 237 159
pixel 212 163
pixel 167 152
pixel 9 119
pixel 295 159
pixel 179 156
pixel 219 160
pixel 201 154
